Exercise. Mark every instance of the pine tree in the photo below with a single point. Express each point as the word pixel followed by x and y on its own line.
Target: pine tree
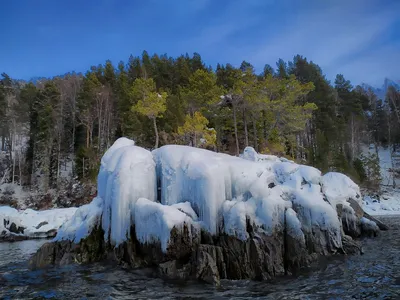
pixel 150 103
pixel 195 131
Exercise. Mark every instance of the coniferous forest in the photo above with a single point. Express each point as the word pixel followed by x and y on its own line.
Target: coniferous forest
pixel 55 130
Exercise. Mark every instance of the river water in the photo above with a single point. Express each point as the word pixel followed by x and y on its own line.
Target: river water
pixel 374 275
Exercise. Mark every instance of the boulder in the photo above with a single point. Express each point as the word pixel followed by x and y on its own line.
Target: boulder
pixel 350 221
pixel 380 224
pixel 356 207
pixel 207 269
pixel 16 229
pixel 351 246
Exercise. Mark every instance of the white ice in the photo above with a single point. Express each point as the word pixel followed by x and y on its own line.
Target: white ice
pixel 219 192
pixel 85 219
pixel 127 173
pixel 338 188
pixel 154 221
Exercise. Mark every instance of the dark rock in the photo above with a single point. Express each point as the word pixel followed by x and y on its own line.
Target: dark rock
pixel 351 246
pixel 90 249
pixel 369 228
pixel 381 225
pixel 217 255
pixel 196 254
pixel 173 269
pixel 350 222
pixel 207 269
pixel 42 224
pixel 44 257
pixel 206 238
pixel 357 208
pixel 16 229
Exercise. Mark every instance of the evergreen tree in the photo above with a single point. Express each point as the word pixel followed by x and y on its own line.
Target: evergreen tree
pixel 195 131
pixel 150 103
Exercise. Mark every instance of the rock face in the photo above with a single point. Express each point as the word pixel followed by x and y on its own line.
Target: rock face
pixel 199 255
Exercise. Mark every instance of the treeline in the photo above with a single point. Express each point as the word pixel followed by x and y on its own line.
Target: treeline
pixel 57 129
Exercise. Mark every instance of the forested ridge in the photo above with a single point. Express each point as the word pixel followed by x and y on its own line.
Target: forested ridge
pixel 56 130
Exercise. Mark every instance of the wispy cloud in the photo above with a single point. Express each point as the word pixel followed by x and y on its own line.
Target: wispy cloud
pixel 337 35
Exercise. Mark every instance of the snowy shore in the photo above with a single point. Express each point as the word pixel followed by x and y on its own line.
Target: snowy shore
pixel 387 204
pixel 25 224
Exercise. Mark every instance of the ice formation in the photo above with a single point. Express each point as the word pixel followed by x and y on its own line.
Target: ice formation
pixel 219 192
pixel 338 188
pixel 154 221
pixel 127 173
pixel 86 218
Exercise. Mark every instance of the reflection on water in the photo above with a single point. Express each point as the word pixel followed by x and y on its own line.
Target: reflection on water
pixel 374 275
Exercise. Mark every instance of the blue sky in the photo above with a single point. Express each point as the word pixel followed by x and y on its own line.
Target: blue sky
pixel 359 38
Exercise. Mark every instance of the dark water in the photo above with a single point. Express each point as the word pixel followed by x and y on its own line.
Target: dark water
pixel 374 275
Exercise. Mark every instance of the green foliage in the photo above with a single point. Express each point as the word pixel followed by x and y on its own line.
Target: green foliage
pixel 291 110
pixel 149 103
pixel 372 170
pixel 196 132
pixel 358 165
pixel 86 163
pixel 201 92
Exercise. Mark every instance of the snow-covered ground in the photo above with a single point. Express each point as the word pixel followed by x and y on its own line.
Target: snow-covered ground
pixel 387 204
pixel 389 162
pixel 31 223
pixel 184 187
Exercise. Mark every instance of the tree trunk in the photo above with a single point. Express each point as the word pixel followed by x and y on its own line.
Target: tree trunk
pixel 58 160
pixel 246 132
pixel 156 132
pixel 19 168
pixel 13 169
pixel 255 134
pixel 236 131
pixel 352 138
pixel 83 167
pixel 87 136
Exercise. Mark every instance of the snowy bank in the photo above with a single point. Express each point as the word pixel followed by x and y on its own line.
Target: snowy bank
pixel 29 223
pixel 387 204
pixel 194 212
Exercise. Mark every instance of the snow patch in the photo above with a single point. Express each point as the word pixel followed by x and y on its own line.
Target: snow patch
pixel 154 222
pixel 338 188
pixel 388 204
pixel 85 219
pixel 35 223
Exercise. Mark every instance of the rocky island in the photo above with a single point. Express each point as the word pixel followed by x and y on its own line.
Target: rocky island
pixel 195 214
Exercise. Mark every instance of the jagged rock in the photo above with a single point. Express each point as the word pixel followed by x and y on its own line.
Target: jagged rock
pixel 369 228
pixel 357 208
pixel 91 249
pixel 173 269
pixel 207 269
pixel 351 246
pixel 195 253
pixel 350 222
pixel 379 223
pixel 217 255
